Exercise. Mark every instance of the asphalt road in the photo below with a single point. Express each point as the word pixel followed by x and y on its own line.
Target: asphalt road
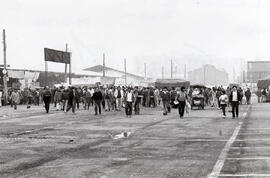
pixel 249 155
pixel 36 144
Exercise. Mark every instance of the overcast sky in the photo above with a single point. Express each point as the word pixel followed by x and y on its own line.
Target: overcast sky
pixel 192 32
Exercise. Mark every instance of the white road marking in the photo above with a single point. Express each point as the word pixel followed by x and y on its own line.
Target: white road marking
pixel 252 139
pixel 222 157
pixel 245 175
pixel 254 133
pixel 257 129
pixel 255 158
pixel 256 147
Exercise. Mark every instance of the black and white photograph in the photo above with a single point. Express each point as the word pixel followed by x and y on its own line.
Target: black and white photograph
pixel 134 88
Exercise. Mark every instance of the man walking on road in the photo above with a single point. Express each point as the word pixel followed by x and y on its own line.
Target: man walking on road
pixel 235 99
pixel 15 98
pixel 181 98
pixel 248 95
pixel 129 98
pixel 166 98
pixel 223 99
pixel 47 98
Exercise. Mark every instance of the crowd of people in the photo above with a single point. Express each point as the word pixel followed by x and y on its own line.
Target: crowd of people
pixel 115 98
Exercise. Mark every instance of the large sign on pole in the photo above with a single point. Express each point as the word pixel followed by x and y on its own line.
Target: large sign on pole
pixel 57 56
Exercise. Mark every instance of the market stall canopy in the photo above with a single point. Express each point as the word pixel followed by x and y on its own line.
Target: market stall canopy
pixel 169 83
pixel 264 83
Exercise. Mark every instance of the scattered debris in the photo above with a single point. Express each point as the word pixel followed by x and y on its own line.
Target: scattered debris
pixel 121 135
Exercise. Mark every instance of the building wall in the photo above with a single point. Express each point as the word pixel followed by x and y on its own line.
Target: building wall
pixel 257 70
pixel 208 75
pixel 120 78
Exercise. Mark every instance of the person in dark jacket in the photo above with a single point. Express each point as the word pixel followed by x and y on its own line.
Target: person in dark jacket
pixel 71 100
pixel 235 99
pixel 47 95
pixel 248 95
pixel 65 96
pixel 166 98
pixel 97 97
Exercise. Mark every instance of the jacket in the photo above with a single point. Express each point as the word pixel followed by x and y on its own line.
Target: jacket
pixel 166 96
pixel 15 97
pixel 238 96
pixel 97 96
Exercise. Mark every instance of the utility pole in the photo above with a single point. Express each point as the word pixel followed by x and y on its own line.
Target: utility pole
pixel 103 64
pixel 204 74
pixel 66 65
pixel 175 72
pixel 185 72
pixel 70 69
pixel 171 69
pixel 125 65
pixel 162 72
pixel 5 64
pixel 145 71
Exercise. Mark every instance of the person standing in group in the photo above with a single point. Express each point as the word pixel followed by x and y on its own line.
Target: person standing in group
pixel 248 95
pixel 97 97
pixel 1 96
pixel 47 95
pixel 65 95
pixel 71 100
pixel 223 99
pixel 259 94
pixel 118 96
pixel 15 98
pixel 107 96
pixel 181 97
pixel 235 99
pixel 166 98
pixel 129 98
pixel 137 97
pixel 87 96
pixel 58 98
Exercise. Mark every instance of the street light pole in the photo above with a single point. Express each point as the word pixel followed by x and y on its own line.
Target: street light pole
pixel 5 65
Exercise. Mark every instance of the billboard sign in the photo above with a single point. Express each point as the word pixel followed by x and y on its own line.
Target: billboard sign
pixel 56 56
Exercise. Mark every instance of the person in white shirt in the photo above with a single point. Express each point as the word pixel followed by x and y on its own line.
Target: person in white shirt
pixel 129 100
pixel 223 99
pixel 118 96
pixel 181 98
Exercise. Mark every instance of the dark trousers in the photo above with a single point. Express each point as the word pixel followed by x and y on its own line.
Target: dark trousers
pixel 47 103
pixel 97 106
pixel 181 108
pixel 14 104
pixel 223 107
pixel 129 108
pixel 152 101
pixel 235 108
pixel 77 103
pixel 248 99
pixel 71 105
pixel 137 106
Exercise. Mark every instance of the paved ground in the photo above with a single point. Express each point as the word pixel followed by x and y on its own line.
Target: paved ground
pixel 249 155
pixel 35 144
